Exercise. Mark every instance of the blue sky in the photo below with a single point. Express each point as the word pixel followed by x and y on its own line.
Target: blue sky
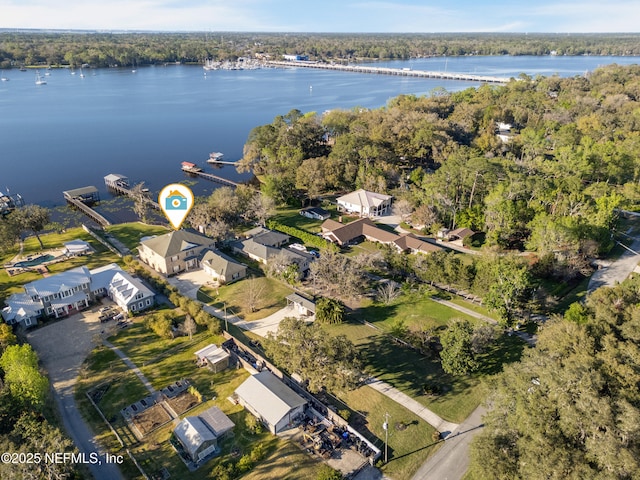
pixel 326 16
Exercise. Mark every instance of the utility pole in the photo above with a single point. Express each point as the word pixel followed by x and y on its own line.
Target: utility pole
pixel 385 426
pixel 226 324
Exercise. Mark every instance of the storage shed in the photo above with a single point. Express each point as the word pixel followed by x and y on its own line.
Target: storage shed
pixel 271 401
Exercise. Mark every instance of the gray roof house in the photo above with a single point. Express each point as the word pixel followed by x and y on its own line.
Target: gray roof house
pixel 221 267
pixel 267 237
pixel 71 291
pixel 174 252
pixel 199 435
pixel 271 401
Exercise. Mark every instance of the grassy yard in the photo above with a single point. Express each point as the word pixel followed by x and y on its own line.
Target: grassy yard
pixel 410 438
pixel 272 298
pixel 102 256
pixel 292 217
pixel 411 371
pixel 163 362
pixel 131 233
pixel 415 309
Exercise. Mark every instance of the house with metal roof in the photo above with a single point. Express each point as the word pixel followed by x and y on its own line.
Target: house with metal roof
pixel 221 267
pixel 214 357
pixel 71 291
pixel 199 435
pixel 271 401
pixel 174 252
pixel 365 203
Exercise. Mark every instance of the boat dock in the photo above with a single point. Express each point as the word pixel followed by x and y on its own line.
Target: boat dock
pixel 193 169
pixel 82 198
pixel 120 184
pixel 403 72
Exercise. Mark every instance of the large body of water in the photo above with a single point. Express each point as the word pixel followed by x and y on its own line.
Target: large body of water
pixel 73 131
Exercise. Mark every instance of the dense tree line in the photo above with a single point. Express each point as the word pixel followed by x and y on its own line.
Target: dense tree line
pixel 569 409
pixel 553 186
pixel 27 422
pixel 126 49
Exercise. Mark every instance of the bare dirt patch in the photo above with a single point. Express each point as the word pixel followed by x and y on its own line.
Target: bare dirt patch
pixel 182 402
pixel 151 419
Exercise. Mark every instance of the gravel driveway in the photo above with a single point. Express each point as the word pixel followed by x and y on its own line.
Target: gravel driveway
pixel 62 347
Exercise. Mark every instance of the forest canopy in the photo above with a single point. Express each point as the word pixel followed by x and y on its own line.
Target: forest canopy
pixel 124 48
pixel 552 182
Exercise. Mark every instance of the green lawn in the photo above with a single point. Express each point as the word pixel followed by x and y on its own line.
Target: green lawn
pixel 409 370
pixel 272 298
pixel 415 309
pixel 163 362
pixel 292 217
pixel 131 233
pixel 102 256
pixel 410 438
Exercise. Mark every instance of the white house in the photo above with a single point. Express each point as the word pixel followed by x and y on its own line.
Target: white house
pixel 364 203
pixel 72 291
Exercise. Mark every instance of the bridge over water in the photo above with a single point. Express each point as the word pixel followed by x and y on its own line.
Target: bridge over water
pixel 403 72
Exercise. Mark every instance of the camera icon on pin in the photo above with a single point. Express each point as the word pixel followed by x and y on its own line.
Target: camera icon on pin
pixel 175 201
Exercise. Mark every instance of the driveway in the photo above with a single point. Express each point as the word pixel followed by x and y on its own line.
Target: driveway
pixel 617 271
pixel 62 347
pixel 268 324
pixel 188 283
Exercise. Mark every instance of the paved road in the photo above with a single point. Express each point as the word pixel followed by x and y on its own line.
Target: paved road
pixel 617 271
pixel 451 461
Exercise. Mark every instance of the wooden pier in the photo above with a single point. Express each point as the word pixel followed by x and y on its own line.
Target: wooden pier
pixel 120 184
pixel 402 72
pixel 82 198
pixel 193 169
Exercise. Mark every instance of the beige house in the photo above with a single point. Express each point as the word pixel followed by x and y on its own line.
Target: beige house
pixel 221 267
pixel 174 252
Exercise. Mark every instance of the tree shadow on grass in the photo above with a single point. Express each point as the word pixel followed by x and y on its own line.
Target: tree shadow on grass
pixel 505 350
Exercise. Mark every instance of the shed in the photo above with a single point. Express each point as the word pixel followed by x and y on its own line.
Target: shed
pixel 302 304
pixel 271 401
pixel 216 358
pixel 199 436
pixel 76 248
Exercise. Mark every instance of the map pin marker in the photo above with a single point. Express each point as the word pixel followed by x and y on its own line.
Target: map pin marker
pixel 176 201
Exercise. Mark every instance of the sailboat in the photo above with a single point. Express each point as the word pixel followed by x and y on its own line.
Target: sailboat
pixel 3 78
pixel 133 69
pixel 81 73
pixel 39 79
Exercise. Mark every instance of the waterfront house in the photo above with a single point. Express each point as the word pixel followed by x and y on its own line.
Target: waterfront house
pixel 221 267
pixel 276 405
pixel 128 292
pixel 199 435
pixel 174 252
pixel 365 203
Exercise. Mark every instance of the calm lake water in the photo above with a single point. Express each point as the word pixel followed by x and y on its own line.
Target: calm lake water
pixel 73 131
